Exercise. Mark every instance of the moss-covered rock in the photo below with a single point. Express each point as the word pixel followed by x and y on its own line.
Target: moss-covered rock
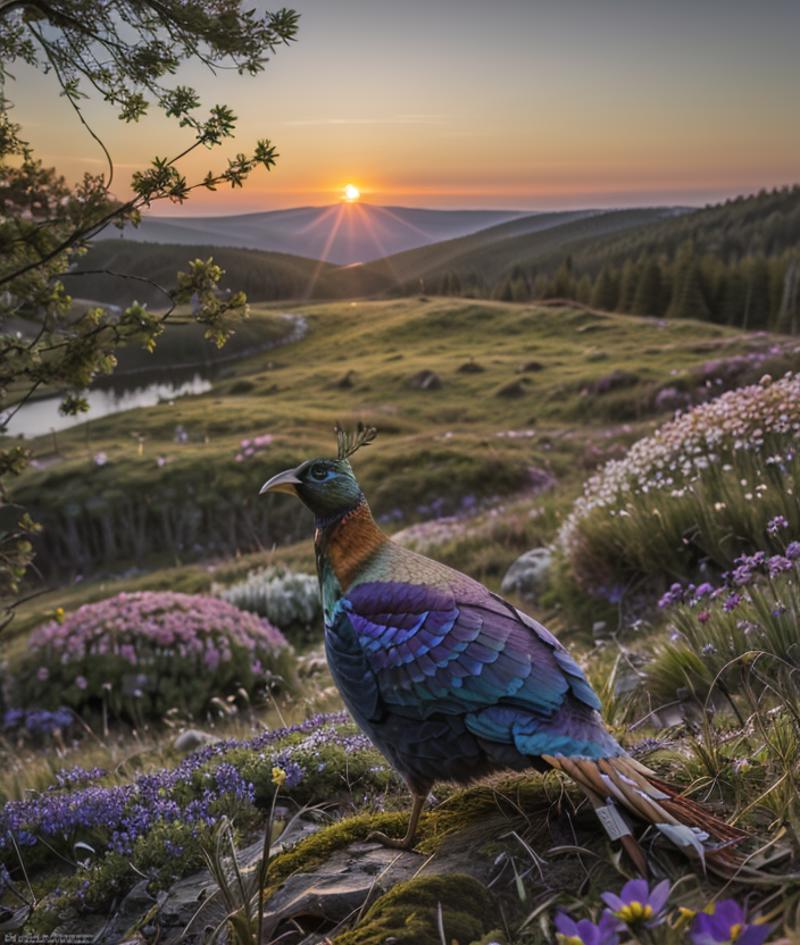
pixel 409 913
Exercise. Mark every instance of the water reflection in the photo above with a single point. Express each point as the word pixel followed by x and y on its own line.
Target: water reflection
pixel 42 416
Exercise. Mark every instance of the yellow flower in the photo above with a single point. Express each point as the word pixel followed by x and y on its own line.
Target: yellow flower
pixel 278 777
pixel 58 614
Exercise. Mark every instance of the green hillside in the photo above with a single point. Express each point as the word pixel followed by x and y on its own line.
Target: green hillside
pixel 474 263
pixel 263 276
pixel 408 266
pixel 474 400
pixel 736 263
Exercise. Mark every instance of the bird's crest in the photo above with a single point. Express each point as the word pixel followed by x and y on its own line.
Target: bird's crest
pixel 350 442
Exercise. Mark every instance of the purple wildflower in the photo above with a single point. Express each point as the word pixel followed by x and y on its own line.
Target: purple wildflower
pixel 778 563
pixel 776 524
pixel 704 616
pixel 742 575
pixel 673 596
pixel 585 932
pixel 637 905
pixel 726 924
pixel 793 550
pixel 703 590
pixel 732 602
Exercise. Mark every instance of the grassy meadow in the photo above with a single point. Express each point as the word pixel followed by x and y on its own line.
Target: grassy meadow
pixel 492 417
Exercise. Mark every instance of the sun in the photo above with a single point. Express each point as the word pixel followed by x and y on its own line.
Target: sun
pixel 351 193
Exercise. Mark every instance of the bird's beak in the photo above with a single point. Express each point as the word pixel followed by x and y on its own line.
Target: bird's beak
pixel 286 481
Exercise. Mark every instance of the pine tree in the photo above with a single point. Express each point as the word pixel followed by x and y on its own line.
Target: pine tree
pixel 563 283
pixel 606 292
pixel 789 312
pixel 627 287
pixel 732 296
pixel 649 290
pixel 756 314
pixel 688 292
pixel 583 290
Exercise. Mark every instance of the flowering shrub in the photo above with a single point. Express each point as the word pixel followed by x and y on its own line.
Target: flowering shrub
pixel 640 914
pixel 750 620
pixel 158 821
pixel 697 491
pixel 288 599
pixel 37 723
pixel 143 654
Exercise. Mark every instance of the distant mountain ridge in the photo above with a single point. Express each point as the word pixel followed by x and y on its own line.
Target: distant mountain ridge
pixel 341 234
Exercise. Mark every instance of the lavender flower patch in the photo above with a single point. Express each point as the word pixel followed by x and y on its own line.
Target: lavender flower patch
pixel 37 724
pixel 317 759
pixel 751 614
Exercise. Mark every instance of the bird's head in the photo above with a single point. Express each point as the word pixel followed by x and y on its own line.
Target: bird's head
pixel 327 486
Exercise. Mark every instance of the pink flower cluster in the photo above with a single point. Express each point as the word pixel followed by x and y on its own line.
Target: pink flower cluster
pixel 762 418
pixel 251 447
pixel 135 627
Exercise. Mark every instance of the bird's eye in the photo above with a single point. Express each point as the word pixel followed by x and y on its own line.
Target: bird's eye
pixel 319 472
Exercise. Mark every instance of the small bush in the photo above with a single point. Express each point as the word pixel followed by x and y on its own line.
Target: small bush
pixel 143 654
pixel 288 599
pixel 693 495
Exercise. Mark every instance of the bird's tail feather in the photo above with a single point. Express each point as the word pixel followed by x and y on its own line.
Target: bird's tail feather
pixel 622 781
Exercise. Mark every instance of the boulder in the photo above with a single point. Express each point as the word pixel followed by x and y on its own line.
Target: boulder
pixel 616 380
pixel 192 739
pixel 512 390
pixel 425 380
pixel 528 575
pixel 470 367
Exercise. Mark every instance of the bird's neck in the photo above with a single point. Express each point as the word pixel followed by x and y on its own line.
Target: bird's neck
pixel 345 545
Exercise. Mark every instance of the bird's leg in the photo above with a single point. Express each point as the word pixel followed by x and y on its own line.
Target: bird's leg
pixel 407 842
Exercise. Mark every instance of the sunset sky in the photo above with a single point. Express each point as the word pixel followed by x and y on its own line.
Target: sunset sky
pixel 524 104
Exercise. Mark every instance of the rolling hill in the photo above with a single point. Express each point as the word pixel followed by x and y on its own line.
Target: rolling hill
pixel 341 234
pixel 262 276
pixel 476 262
pixel 736 263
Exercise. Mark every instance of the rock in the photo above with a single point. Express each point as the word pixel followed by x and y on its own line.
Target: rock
pixel 470 367
pixel 616 380
pixel 341 886
pixel 192 739
pixel 345 382
pixel 531 367
pixel 512 390
pixel 425 380
pixel 191 908
pixel 528 575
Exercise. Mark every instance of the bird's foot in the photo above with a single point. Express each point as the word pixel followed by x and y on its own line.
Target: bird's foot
pixel 404 843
